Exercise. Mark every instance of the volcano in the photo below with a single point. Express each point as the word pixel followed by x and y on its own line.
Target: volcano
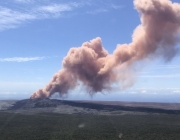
pixel 36 103
pixel 109 107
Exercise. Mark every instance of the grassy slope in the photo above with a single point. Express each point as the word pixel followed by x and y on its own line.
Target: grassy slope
pixel 65 127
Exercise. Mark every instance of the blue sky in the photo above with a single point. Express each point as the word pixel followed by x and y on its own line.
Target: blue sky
pixel 35 35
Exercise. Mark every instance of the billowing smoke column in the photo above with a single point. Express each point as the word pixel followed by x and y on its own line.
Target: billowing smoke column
pixel 157 35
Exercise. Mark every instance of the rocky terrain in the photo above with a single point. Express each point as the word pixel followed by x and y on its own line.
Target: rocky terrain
pixel 32 106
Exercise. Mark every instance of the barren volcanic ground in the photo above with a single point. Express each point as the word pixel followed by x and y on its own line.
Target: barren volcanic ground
pixel 31 106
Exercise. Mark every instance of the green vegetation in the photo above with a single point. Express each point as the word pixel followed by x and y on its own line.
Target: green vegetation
pixel 88 127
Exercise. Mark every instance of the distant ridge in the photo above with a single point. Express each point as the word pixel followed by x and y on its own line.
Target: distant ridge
pixel 35 103
pixel 46 102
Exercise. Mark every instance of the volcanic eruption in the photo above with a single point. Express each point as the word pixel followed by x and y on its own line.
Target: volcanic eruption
pixel 97 70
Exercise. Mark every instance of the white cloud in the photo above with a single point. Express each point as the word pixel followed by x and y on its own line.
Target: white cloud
pixel 21 59
pixel 167 67
pixel 16 15
pixel 117 6
pixel 8 92
pixel 143 91
pixel 24 1
pixel 97 11
pixel 55 8
pixel 11 18
pixel 133 92
pixel 167 71
pixel 161 76
pixel 176 91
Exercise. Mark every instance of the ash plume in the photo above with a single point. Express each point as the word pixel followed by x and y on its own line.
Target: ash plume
pixel 91 64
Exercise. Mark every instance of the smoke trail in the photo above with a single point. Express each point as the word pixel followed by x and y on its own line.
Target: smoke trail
pixel 157 35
